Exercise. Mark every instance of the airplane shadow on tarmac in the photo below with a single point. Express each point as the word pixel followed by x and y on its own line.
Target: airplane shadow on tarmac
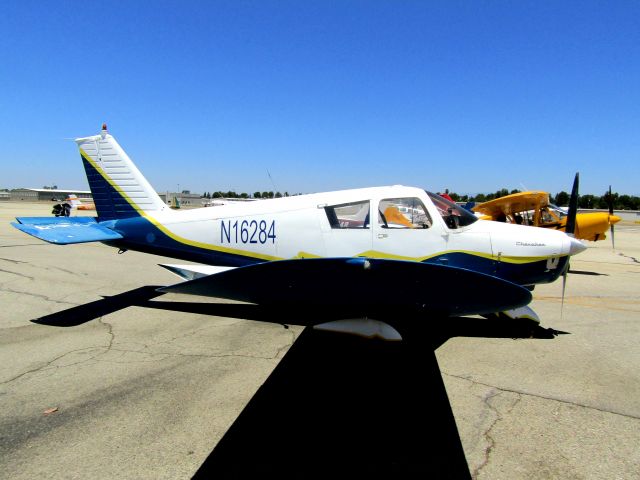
pixel 336 405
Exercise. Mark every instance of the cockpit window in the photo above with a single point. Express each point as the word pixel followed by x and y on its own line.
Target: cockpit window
pixel 454 215
pixel 549 216
pixel 348 215
pixel 403 213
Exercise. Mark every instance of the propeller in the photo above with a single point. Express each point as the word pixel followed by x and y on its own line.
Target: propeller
pixel 610 202
pixel 564 286
pixel 570 230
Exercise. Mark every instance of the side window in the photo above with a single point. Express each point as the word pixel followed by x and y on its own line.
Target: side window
pixel 348 215
pixel 403 213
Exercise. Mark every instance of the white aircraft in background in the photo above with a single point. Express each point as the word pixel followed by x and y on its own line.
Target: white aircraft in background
pixel 369 250
pixel 76 204
pixel 216 202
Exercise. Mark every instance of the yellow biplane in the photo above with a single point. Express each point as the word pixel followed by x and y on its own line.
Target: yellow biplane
pixel 533 208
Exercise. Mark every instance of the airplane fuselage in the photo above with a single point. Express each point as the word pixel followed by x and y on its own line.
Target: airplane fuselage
pixel 302 227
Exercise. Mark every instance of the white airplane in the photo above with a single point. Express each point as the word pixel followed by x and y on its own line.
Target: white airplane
pixel 216 202
pixel 76 204
pixel 354 253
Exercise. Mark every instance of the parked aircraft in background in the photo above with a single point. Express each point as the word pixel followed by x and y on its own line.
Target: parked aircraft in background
pixel 533 208
pixel 216 202
pixel 352 253
pixel 73 200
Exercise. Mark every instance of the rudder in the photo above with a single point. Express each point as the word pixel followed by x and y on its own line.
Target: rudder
pixel 119 189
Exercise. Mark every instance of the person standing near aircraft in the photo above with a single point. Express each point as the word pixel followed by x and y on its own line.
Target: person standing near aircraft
pixel 446 195
pixel 61 209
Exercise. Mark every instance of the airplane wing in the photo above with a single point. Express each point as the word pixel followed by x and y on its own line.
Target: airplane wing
pixel 362 283
pixel 66 230
pixel 516 202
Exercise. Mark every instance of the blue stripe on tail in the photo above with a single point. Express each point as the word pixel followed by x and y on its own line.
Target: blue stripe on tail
pixel 110 204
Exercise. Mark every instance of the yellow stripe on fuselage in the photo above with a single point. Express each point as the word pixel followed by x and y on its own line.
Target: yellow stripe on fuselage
pixel 507 259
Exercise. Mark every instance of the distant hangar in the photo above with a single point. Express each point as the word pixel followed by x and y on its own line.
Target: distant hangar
pixel 37 194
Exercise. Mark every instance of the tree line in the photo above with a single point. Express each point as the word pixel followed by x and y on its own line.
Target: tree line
pixel 620 202
pixel 232 194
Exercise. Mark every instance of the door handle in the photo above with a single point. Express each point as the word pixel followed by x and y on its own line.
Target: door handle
pixel 383 235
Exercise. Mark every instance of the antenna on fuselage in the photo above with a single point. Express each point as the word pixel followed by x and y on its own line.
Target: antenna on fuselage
pixel 272 182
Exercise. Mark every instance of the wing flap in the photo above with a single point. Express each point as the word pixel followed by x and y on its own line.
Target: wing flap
pixel 360 283
pixel 66 230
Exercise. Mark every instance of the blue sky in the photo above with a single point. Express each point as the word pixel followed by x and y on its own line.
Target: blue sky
pixel 472 96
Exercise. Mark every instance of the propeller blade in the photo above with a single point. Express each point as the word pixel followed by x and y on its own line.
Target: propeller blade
pixel 610 202
pixel 564 286
pixel 613 241
pixel 573 207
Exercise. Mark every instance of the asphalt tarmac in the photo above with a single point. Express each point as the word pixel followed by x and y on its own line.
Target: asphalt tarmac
pixel 144 385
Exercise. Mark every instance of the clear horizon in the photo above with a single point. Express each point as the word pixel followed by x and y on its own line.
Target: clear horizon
pixel 298 97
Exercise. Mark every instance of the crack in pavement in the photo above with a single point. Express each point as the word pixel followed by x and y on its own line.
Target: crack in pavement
pixel 634 259
pixel 102 350
pixel 18 274
pixel 106 349
pixel 166 355
pixel 486 399
pixel 227 323
pixel 287 346
pixel 17 262
pixel 542 397
pixel 53 267
pixel 37 295
pixel 43 267
pixel 112 335
pixel 50 362
pixel 195 332
pixel 26 245
pixel 276 355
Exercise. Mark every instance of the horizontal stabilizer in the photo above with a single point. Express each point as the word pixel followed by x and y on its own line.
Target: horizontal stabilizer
pixel 66 230
pixel 369 285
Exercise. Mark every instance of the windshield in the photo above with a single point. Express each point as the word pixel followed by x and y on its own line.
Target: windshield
pixel 454 215
pixel 561 213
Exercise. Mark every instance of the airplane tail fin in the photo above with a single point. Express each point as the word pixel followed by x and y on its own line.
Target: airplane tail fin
pixel 119 189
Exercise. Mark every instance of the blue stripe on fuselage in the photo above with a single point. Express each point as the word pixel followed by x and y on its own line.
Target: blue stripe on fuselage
pixel 521 273
pixel 143 236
